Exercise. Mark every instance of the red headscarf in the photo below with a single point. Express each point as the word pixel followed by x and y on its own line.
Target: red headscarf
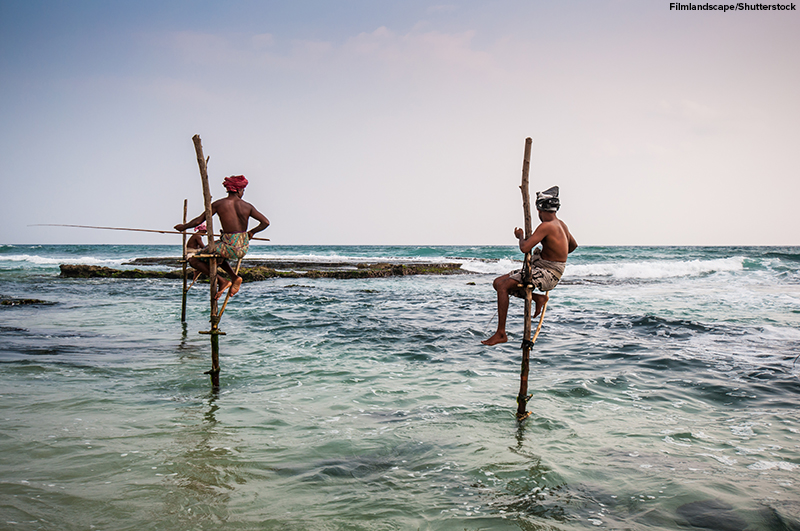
pixel 234 183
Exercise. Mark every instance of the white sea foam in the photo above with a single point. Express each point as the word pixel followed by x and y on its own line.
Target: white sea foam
pixel 644 270
pixel 337 258
pixel 655 269
pixel 332 257
pixel 40 260
pixel 721 458
pixel 769 465
pixel 498 267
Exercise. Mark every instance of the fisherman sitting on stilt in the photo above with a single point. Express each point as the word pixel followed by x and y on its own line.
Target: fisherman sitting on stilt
pixel 196 245
pixel 547 264
pixel 234 214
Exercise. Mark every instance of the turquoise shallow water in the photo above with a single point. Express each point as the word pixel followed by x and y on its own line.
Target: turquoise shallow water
pixel 665 394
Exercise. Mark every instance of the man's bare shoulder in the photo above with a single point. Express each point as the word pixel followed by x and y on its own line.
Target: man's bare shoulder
pixel 552 225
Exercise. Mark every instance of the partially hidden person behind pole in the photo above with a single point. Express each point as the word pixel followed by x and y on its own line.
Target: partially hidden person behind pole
pixel 195 245
pixel 547 263
pixel 234 214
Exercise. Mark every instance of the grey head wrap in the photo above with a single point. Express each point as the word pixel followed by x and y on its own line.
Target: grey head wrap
pixel 548 200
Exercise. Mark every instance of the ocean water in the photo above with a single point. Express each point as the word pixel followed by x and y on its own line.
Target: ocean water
pixel 665 396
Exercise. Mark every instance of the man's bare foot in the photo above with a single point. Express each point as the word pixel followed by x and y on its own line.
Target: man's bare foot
pixel 540 301
pixel 236 285
pixel 223 285
pixel 497 338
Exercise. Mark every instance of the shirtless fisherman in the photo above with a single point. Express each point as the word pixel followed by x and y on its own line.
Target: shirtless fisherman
pixel 547 264
pixel 234 214
pixel 195 243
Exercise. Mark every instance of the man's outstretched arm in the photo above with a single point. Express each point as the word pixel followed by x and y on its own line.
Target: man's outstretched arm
pixel 180 227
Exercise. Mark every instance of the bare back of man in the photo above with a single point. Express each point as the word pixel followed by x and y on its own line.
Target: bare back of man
pixel 234 213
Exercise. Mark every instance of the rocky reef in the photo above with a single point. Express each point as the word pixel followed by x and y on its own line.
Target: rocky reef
pixel 256 270
pixel 11 301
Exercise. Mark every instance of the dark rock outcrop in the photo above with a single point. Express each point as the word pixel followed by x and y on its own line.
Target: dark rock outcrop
pixel 261 272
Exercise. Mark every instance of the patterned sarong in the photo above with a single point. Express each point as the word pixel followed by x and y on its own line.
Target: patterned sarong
pixel 231 245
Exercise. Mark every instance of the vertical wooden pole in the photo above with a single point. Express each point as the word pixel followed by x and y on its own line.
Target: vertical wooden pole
pixel 185 289
pixel 212 265
pixel 522 397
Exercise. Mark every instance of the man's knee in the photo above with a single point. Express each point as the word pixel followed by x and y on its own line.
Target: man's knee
pixel 504 283
pixel 198 264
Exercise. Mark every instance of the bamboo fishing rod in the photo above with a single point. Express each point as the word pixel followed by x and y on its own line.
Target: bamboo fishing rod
pixel 122 228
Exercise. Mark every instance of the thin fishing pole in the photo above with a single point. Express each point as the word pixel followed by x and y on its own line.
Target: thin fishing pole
pixel 120 228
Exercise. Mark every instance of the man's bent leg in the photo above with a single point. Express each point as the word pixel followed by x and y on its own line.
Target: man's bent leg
pixel 236 279
pixel 237 283
pixel 539 300
pixel 503 285
pixel 199 265
pixel 222 284
pixel 202 266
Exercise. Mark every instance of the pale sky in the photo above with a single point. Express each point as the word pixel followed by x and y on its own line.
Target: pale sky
pixel 401 122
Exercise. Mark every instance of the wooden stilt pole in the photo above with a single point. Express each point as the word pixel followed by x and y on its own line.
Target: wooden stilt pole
pixel 212 265
pixel 185 289
pixel 522 397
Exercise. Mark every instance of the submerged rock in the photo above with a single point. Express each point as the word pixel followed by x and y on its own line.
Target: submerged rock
pixel 10 301
pixel 89 271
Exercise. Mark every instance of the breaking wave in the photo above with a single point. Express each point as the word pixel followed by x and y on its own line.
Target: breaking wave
pixel 655 269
